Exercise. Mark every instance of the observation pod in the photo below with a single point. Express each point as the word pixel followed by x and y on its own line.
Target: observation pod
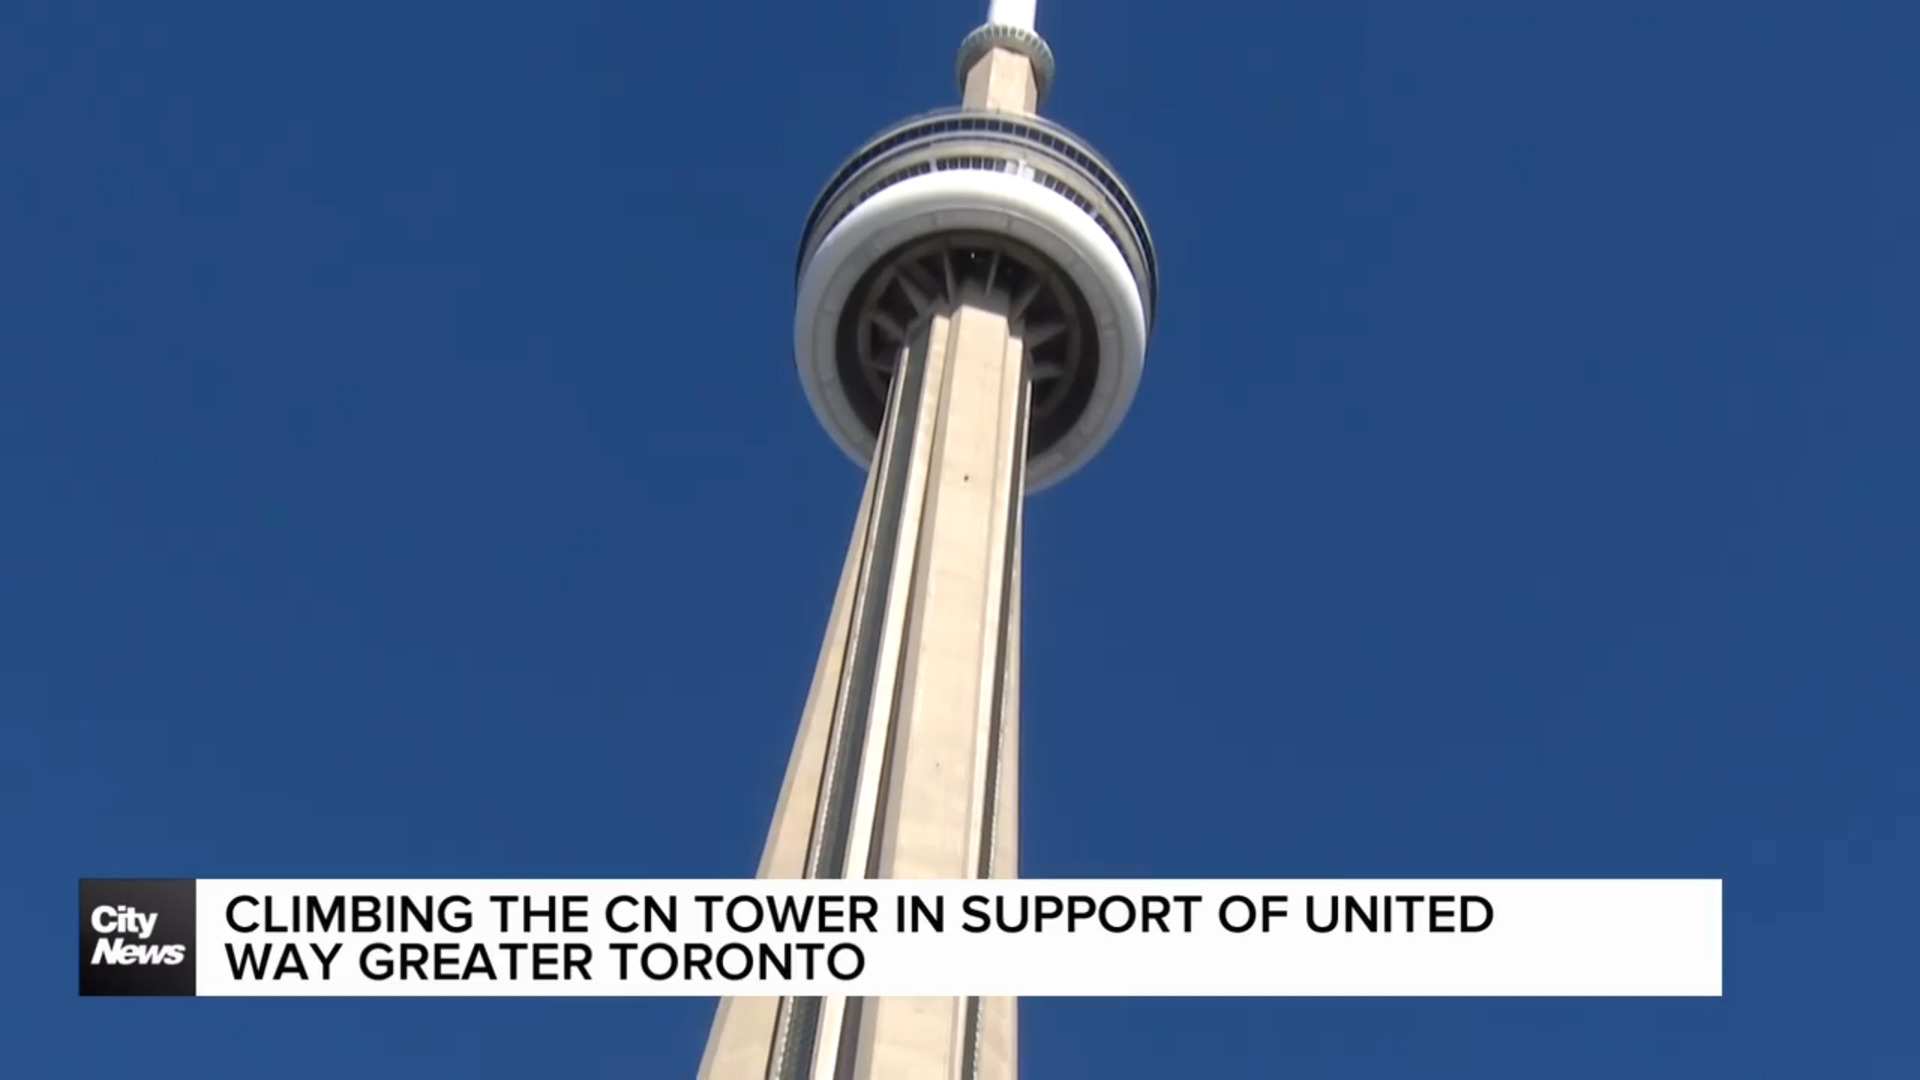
pixel 999 200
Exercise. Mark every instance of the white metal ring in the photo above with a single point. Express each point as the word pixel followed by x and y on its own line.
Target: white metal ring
pixel 968 200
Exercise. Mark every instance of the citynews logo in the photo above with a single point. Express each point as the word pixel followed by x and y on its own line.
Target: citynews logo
pixel 136 937
pixel 119 950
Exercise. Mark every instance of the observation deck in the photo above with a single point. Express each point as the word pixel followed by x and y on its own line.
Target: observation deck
pixel 1003 200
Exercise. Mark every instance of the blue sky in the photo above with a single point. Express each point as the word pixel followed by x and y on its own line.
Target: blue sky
pixel 403 473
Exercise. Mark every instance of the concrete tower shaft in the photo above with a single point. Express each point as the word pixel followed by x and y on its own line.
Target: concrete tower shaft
pixel 906 765
pixel 975 290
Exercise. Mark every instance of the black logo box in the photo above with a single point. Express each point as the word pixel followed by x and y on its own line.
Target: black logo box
pixel 171 901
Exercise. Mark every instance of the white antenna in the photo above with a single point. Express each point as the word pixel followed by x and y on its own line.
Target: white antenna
pixel 1015 13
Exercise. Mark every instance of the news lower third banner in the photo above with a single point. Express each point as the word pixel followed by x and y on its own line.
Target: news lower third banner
pixel 894 938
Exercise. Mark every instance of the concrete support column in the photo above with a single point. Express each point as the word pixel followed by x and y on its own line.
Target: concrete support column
pixel 1002 80
pixel 742 1034
pixel 906 761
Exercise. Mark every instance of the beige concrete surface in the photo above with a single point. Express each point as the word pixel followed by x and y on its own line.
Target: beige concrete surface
pixel 743 1027
pixel 936 792
pixel 1002 80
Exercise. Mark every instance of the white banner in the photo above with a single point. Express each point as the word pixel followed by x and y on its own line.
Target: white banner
pixel 1024 938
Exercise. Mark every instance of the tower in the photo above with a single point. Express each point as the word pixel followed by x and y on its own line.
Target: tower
pixel 975 290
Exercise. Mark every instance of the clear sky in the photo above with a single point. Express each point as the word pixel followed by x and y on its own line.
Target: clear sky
pixel 403 473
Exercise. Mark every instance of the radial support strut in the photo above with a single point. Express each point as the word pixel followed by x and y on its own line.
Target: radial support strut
pixel 906 764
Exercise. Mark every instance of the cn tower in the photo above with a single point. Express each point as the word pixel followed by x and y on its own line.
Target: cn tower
pixel 975 290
